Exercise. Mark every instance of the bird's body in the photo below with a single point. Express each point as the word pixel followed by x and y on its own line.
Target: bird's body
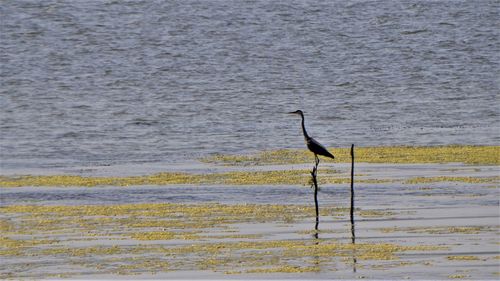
pixel 313 145
pixel 316 148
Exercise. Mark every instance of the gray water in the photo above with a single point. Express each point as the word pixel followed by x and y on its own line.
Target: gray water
pixel 369 196
pixel 121 82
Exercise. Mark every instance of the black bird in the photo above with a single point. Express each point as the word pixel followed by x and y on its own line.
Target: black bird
pixel 314 146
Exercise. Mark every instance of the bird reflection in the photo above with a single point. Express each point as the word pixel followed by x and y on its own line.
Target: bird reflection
pixel 316 260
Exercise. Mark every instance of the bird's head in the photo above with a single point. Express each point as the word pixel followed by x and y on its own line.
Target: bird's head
pixel 298 112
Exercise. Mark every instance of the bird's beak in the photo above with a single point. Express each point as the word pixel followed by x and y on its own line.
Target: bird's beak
pixel 293 112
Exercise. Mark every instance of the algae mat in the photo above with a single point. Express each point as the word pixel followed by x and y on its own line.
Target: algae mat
pixel 171 240
pixel 475 156
pixel 413 221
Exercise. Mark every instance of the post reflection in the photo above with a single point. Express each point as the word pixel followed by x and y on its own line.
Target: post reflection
pixel 353 242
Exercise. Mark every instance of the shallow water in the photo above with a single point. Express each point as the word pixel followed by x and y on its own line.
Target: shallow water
pixel 336 195
pixel 461 221
pixel 113 82
pixel 331 194
pixel 133 88
pixel 458 220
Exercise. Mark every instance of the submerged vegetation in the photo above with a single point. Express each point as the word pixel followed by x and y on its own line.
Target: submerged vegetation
pixel 281 177
pixel 417 180
pixel 154 238
pixel 485 155
pixel 133 239
pixel 154 216
pixel 290 177
pixel 443 230
pixel 473 155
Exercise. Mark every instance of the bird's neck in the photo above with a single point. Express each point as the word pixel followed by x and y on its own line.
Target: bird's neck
pixel 306 136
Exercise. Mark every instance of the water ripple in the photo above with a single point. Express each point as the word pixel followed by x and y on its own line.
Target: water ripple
pixel 169 80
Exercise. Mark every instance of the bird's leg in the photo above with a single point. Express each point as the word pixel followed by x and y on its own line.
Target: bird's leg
pixel 314 171
pixel 316 161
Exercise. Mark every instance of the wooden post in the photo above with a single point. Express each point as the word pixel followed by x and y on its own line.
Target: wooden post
pixel 352 184
pixel 353 235
pixel 353 231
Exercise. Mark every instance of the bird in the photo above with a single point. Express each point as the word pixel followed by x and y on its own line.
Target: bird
pixel 313 145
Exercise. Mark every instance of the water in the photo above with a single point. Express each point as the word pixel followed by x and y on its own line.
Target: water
pixel 386 195
pixel 117 82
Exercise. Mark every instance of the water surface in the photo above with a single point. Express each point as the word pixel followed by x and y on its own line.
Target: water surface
pixel 113 82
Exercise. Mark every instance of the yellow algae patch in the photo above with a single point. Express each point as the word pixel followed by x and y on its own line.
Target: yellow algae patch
pixel 84 251
pixel 234 236
pixel 290 249
pixel 419 180
pixel 386 266
pixel 71 180
pixel 319 231
pixel 58 275
pixel 364 251
pixel 167 218
pixel 142 265
pixel 375 213
pixel 440 230
pixel 284 269
pixel 281 177
pixel 462 258
pixel 5 226
pixel 458 276
pixel 295 177
pixel 6 242
pixel 467 229
pixel 141 254
pixel 15 247
pixel 161 209
pixel 269 256
pixel 164 235
pixel 487 155
pixel 389 229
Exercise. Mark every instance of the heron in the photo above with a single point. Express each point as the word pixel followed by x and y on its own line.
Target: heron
pixel 316 148
pixel 313 145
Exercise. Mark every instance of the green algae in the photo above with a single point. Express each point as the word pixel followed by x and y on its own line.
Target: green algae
pixel 474 155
